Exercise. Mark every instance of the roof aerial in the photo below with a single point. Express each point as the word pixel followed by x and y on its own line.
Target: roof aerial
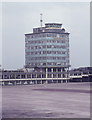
pixel 41 19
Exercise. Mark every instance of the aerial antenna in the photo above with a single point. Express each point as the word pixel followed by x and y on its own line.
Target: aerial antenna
pixel 41 19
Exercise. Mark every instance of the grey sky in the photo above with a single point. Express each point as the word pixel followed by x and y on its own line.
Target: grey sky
pixel 20 18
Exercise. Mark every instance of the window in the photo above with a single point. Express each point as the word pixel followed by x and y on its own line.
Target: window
pixel 63 58
pixel 59 75
pixel 49 69
pixel 54 69
pixel 48 63
pixel 59 69
pixel 28 76
pixel 63 52
pixel 54 75
pixel 44 46
pixel 33 75
pixel 63 41
pixel 54 41
pixel 44 52
pixel 22 76
pixel 48 46
pixel 43 75
pixel 39 76
pixel 63 47
pixel 49 75
pixel 48 52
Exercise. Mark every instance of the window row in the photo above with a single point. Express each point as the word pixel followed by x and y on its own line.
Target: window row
pixel 45 35
pixel 48 63
pixel 46 58
pixel 46 46
pixel 47 41
pixel 19 76
pixel 45 52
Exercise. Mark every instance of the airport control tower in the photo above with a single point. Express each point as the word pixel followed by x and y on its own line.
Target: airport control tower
pixel 47 50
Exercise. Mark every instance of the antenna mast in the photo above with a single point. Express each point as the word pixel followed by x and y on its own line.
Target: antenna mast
pixel 41 19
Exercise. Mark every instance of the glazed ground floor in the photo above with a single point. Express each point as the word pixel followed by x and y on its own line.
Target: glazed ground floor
pixel 32 81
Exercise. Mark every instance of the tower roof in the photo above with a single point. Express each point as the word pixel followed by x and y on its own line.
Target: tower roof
pixel 55 25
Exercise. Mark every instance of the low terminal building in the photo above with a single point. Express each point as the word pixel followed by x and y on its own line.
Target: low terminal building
pixel 82 74
pixel 37 76
pixel 33 76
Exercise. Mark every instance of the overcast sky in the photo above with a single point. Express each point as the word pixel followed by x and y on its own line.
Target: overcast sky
pixel 20 18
